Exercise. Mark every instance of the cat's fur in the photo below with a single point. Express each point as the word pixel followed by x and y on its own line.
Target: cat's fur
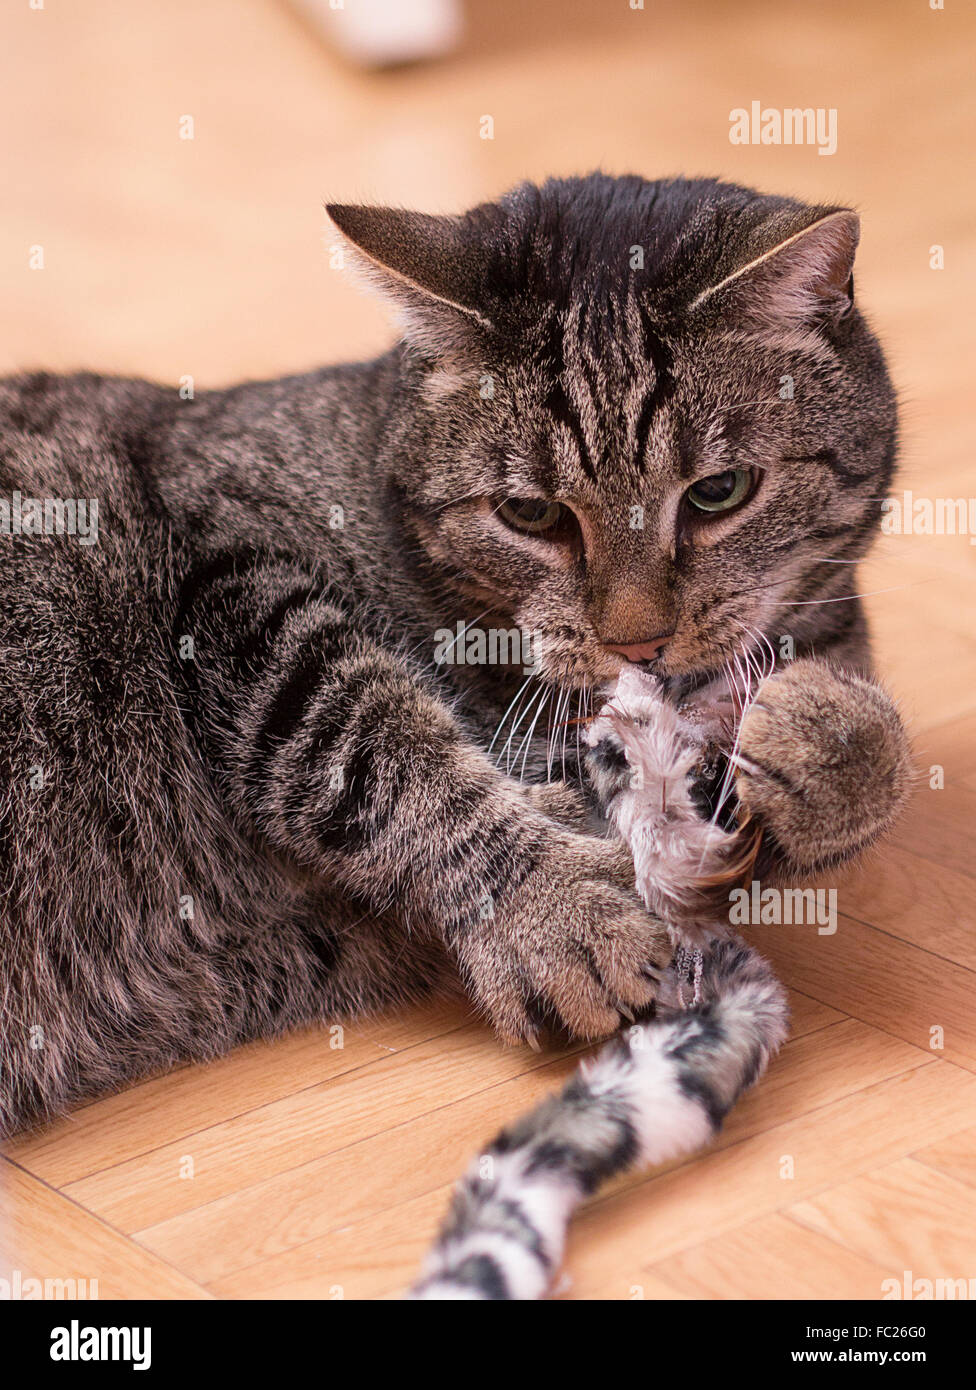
pixel 237 793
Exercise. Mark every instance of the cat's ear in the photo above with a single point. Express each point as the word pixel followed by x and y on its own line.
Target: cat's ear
pixel 804 278
pixel 430 267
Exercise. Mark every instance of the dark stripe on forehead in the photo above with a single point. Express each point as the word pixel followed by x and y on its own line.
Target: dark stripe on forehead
pixel 558 405
pixel 591 381
pixel 557 402
pixel 657 352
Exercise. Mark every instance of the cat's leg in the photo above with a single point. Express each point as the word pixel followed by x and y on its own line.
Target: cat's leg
pixel 824 767
pixel 337 753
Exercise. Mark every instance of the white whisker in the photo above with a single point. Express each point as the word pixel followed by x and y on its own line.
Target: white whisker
pixel 842 598
pixel 527 741
pixel 515 728
pixel 501 722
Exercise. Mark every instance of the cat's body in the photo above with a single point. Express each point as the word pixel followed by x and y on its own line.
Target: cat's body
pixel 140 925
pixel 237 792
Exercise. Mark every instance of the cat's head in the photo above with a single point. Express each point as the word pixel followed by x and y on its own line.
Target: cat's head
pixel 644 421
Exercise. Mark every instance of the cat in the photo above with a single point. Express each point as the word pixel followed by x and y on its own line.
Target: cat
pixel 643 421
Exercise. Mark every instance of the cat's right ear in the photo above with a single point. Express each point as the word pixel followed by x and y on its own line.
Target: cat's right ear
pixel 431 268
pixel 803 278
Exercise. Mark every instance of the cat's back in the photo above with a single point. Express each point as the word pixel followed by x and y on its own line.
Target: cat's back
pixel 77 436
pixel 74 501
pixel 86 565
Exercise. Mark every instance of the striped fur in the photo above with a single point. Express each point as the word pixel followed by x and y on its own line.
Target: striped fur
pixel 644 761
pixel 239 793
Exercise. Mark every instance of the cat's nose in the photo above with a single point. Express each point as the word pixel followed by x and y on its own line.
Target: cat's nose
pixel 647 650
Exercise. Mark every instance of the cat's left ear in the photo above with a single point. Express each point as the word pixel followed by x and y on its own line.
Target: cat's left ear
pixel 432 269
pixel 805 278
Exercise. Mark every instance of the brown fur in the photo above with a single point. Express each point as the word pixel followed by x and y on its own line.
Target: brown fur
pixel 262 799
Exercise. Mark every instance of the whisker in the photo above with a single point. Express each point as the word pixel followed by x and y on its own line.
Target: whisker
pixel 501 722
pixel 549 740
pixel 561 711
pixel 726 785
pixel 515 728
pixel 566 732
pixel 466 629
pixel 455 501
pixel 753 589
pixel 765 649
pixel 527 741
pixel 842 598
pixel 723 788
pixel 413 652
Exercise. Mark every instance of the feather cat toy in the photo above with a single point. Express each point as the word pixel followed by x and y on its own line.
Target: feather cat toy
pixel 659 1088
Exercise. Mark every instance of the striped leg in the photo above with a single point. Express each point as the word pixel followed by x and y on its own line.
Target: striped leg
pixel 338 752
pixel 658 1090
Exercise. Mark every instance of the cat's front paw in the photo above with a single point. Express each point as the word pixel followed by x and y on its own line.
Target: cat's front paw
pixel 825 764
pixel 573 948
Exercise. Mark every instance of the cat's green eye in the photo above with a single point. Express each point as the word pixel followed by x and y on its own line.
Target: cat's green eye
pixel 721 491
pixel 532 514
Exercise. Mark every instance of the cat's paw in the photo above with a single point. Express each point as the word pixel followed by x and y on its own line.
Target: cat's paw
pixel 825 763
pixel 573 948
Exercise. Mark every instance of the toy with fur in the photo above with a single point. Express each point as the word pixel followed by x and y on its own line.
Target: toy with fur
pixel 662 1087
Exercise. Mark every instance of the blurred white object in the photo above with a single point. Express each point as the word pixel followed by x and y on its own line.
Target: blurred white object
pixel 376 33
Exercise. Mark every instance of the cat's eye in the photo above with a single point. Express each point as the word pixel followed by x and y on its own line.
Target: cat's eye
pixel 532 514
pixel 720 492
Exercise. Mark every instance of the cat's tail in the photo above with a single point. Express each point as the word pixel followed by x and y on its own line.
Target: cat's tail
pixel 659 1089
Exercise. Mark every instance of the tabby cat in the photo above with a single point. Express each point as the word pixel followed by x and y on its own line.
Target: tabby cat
pixel 643 422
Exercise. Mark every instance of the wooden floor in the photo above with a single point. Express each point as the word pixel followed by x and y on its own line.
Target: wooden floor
pixel 302 1170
